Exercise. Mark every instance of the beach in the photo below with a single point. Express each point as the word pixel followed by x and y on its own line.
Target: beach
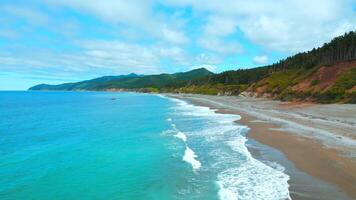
pixel 315 143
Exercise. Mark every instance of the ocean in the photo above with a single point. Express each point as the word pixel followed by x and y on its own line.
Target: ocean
pixel 103 145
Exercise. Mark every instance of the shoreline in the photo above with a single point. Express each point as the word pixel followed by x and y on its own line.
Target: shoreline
pixel 308 157
pixel 288 145
pixel 302 186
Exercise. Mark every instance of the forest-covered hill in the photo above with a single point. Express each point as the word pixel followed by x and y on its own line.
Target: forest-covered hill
pixel 326 74
pixel 131 81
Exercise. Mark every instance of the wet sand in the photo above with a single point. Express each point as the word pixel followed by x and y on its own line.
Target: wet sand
pixel 317 142
pixel 308 156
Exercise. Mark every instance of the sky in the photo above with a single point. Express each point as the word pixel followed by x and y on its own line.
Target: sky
pixel 57 41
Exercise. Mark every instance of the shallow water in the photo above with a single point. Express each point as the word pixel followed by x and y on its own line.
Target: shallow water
pixel 96 145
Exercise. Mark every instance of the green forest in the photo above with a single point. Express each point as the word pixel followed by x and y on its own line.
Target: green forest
pixel 326 74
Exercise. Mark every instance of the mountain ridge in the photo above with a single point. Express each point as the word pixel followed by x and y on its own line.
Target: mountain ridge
pixel 130 81
pixel 326 75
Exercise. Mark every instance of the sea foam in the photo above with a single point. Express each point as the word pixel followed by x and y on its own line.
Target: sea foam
pixel 181 136
pixel 239 175
pixel 190 157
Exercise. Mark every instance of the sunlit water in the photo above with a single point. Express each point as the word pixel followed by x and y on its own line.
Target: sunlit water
pixel 99 145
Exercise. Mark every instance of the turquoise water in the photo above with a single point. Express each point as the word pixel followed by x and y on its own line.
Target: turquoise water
pixel 100 145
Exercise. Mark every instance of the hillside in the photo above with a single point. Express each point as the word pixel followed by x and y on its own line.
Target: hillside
pixel 131 81
pixel 326 74
pixel 85 85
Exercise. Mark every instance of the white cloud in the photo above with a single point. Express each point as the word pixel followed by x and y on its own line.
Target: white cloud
pixel 260 59
pixel 287 26
pixel 173 36
pixel 134 13
pixel 100 57
pixel 208 59
pixel 9 34
pixel 31 15
pixel 218 45
pixel 219 26
pixel 143 35
pixel 119 56
pixel 214 31
pixel 211 68
pixel 175 54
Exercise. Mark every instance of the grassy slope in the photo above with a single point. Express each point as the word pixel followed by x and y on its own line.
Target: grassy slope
pixel 324 75
pixel 279 85
pixel 342 89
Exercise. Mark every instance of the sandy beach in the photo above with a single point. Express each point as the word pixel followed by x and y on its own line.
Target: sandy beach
pixel 317 143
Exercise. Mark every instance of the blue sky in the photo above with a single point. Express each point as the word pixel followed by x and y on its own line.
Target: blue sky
pixel 56 41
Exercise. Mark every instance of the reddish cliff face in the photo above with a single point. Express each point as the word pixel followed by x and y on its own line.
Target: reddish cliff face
pixel 324 78
pixel 324 82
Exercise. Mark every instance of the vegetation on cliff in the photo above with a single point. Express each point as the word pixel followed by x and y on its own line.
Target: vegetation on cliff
pixel 326 74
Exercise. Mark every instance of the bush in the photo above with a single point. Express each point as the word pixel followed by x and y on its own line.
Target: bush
pixel 314 82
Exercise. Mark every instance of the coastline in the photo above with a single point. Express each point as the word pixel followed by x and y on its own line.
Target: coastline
pixel 316 170
pixel 307 155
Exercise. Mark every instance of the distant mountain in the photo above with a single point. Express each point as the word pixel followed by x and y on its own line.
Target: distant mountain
pixel 84 85
pixel 131 81
pixel 326 74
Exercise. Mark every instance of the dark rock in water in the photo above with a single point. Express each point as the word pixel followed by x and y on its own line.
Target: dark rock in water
pixel 113 98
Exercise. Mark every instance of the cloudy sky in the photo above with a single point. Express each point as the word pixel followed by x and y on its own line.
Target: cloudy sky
pixel 56 41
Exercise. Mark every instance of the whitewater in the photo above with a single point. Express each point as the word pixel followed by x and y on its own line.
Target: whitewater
pixel 216 144
pixel 86 145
